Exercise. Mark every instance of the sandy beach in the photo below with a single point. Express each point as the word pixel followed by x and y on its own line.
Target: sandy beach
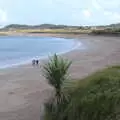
pixel 23 89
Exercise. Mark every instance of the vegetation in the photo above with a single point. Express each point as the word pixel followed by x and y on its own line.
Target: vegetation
pixel 115 25
pixel 56 72
pixel 113 29
pixel 96 97
pixel 107 31
pixel 42 26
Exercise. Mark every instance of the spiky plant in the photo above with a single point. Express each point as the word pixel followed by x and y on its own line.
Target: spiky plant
pixel 56 72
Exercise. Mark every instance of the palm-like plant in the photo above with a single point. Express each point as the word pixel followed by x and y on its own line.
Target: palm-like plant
pixel 56 72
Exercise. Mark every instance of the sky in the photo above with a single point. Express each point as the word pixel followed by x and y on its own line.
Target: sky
pixel 67 12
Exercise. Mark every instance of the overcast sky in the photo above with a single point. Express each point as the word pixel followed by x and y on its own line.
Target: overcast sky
pixel 70 12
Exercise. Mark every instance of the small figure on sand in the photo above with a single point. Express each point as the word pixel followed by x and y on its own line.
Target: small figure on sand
pixel 35 62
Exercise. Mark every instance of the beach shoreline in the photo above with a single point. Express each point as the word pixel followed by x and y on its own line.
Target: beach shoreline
pixel 23 89
pixel 76 45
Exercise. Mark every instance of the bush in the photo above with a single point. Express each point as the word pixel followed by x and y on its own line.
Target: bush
pixel 106 32
pixel 56 72
pixel 96 97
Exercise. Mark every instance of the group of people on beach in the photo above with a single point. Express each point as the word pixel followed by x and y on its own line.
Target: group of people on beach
pixel 35 62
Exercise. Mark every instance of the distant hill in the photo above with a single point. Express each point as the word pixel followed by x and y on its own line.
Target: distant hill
pixel 53 26
pixel 42 26
pixel 15 26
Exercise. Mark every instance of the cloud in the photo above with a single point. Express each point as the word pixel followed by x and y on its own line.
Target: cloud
pixel 107 9
pixel 112 15
pixel 106 4
pixel 77 12
pixel 96 5
pixel 87 13
pixel 3 16
pixel 109 4
pixel 116 16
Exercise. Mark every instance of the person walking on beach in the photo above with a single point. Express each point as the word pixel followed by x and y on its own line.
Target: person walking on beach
pixel 37 62
pixel 33 62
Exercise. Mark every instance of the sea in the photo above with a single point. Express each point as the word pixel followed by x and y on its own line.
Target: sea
pixel 17 50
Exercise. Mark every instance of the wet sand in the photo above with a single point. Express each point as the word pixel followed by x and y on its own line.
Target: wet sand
pixel 23 89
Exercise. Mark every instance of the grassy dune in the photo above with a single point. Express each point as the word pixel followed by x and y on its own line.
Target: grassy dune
pixel 96 97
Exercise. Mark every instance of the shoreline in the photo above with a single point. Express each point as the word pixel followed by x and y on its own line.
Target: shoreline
pixel 77 45
pixel 26 89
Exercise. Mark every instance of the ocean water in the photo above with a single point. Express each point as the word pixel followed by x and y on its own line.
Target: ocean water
pixel 16 50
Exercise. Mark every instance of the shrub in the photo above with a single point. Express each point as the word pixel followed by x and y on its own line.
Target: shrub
pixel 96 97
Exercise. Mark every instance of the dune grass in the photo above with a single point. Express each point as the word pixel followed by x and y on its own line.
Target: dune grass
pixel 96 97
